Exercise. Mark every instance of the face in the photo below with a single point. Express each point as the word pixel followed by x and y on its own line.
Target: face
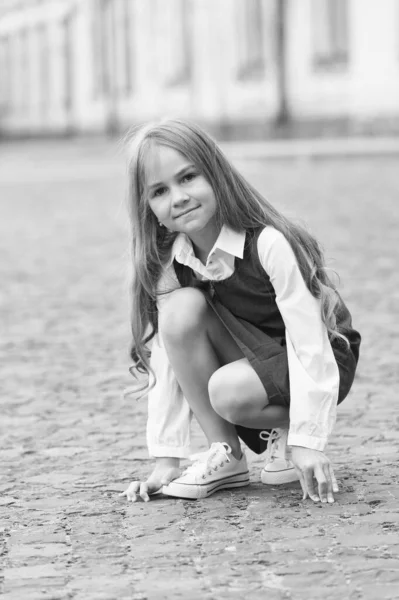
pixel 178 194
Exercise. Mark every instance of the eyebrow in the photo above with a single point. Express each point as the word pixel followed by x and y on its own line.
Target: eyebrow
pixel 178 174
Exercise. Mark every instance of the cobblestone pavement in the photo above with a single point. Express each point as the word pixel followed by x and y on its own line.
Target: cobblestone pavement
pixel 70 442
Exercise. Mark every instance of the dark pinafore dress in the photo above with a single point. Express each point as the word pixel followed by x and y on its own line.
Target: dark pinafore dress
pixel 245 302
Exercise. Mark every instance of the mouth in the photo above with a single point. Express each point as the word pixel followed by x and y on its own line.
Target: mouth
pixel 186 212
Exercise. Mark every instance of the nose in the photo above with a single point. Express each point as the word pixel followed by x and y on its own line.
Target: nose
pixel 179 196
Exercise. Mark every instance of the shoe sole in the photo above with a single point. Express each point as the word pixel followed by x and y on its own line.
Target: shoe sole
pixel 279 477
pixel 203 490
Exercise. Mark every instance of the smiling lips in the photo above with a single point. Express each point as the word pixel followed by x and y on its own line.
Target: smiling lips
pixel 185 212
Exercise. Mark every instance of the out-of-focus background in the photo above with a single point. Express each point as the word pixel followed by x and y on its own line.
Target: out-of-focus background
pixel 245 67
pixel 304 95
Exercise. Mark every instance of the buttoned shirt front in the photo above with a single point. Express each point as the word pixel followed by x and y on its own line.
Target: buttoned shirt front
pixel 314 375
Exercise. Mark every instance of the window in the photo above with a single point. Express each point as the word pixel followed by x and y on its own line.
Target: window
pixel 121 46
pixel 250 38
pixel 44 66
pixel 112 47
pixel 330 33
pixel 67 42
pixel 174 40
pixel 185 63
pixel 127 53
pixel 5 74
pixel 100 51
pixel 23 69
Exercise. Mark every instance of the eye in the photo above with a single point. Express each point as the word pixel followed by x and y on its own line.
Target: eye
pixel 159 192
pixel 188 177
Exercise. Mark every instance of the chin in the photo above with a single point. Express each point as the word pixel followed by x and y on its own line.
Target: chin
pixel 194 227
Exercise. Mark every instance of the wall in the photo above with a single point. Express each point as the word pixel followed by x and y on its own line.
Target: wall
pixel 95 65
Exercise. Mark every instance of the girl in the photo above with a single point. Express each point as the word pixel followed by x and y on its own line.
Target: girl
pixel 248 332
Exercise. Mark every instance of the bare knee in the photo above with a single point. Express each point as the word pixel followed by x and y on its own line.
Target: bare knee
pixel 183 314
pixel 230 394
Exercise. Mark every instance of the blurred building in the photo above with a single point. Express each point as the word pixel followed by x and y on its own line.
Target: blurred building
pixel 95 65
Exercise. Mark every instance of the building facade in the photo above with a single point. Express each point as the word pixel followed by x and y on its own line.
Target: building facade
pixel 97 65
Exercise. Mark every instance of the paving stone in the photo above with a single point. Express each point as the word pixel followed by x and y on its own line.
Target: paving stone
pixel 7 500
pixel 39 536
pixel 34 550
pixel 35 572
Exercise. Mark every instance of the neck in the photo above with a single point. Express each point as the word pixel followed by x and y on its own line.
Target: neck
pixel 203 241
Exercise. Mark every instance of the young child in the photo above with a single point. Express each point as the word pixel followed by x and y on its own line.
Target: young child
pixel 247 331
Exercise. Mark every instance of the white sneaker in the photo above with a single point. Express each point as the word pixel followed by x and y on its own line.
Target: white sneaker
pixel 214 470
pixel 278 468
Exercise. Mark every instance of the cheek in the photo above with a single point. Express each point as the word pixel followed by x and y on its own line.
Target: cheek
pixel 155 208
pixel 212 200
pixel 207 193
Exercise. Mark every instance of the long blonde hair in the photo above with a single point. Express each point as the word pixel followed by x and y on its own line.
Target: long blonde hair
pixel 239 206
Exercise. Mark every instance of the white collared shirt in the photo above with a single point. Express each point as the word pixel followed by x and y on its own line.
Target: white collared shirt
pixel 313 371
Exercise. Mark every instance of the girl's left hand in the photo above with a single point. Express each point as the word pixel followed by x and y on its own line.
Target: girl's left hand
pixel 314 465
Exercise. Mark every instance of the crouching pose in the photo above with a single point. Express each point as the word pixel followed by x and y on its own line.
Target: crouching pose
pixel 245 329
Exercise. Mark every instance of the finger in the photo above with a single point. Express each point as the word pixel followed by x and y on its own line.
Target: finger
pixel 144 492
pixel 327 474
pixel 125 493
pixel 310 488
pixel 335 486
pixel 322 484
pixel 131 491
pixel 302 482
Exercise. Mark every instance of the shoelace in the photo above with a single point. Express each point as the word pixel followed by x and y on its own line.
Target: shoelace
pixel 211 460
pixel 272 438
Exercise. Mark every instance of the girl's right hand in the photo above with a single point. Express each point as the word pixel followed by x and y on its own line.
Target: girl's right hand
pixel 161 475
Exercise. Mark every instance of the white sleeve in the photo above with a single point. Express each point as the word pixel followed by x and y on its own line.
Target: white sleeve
pixel 313 371
pixel 169 414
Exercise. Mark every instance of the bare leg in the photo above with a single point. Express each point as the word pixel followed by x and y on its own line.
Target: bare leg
pixel 238 395
pixel 197 345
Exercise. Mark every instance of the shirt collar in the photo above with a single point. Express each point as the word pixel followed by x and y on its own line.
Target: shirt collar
pixel 229 241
